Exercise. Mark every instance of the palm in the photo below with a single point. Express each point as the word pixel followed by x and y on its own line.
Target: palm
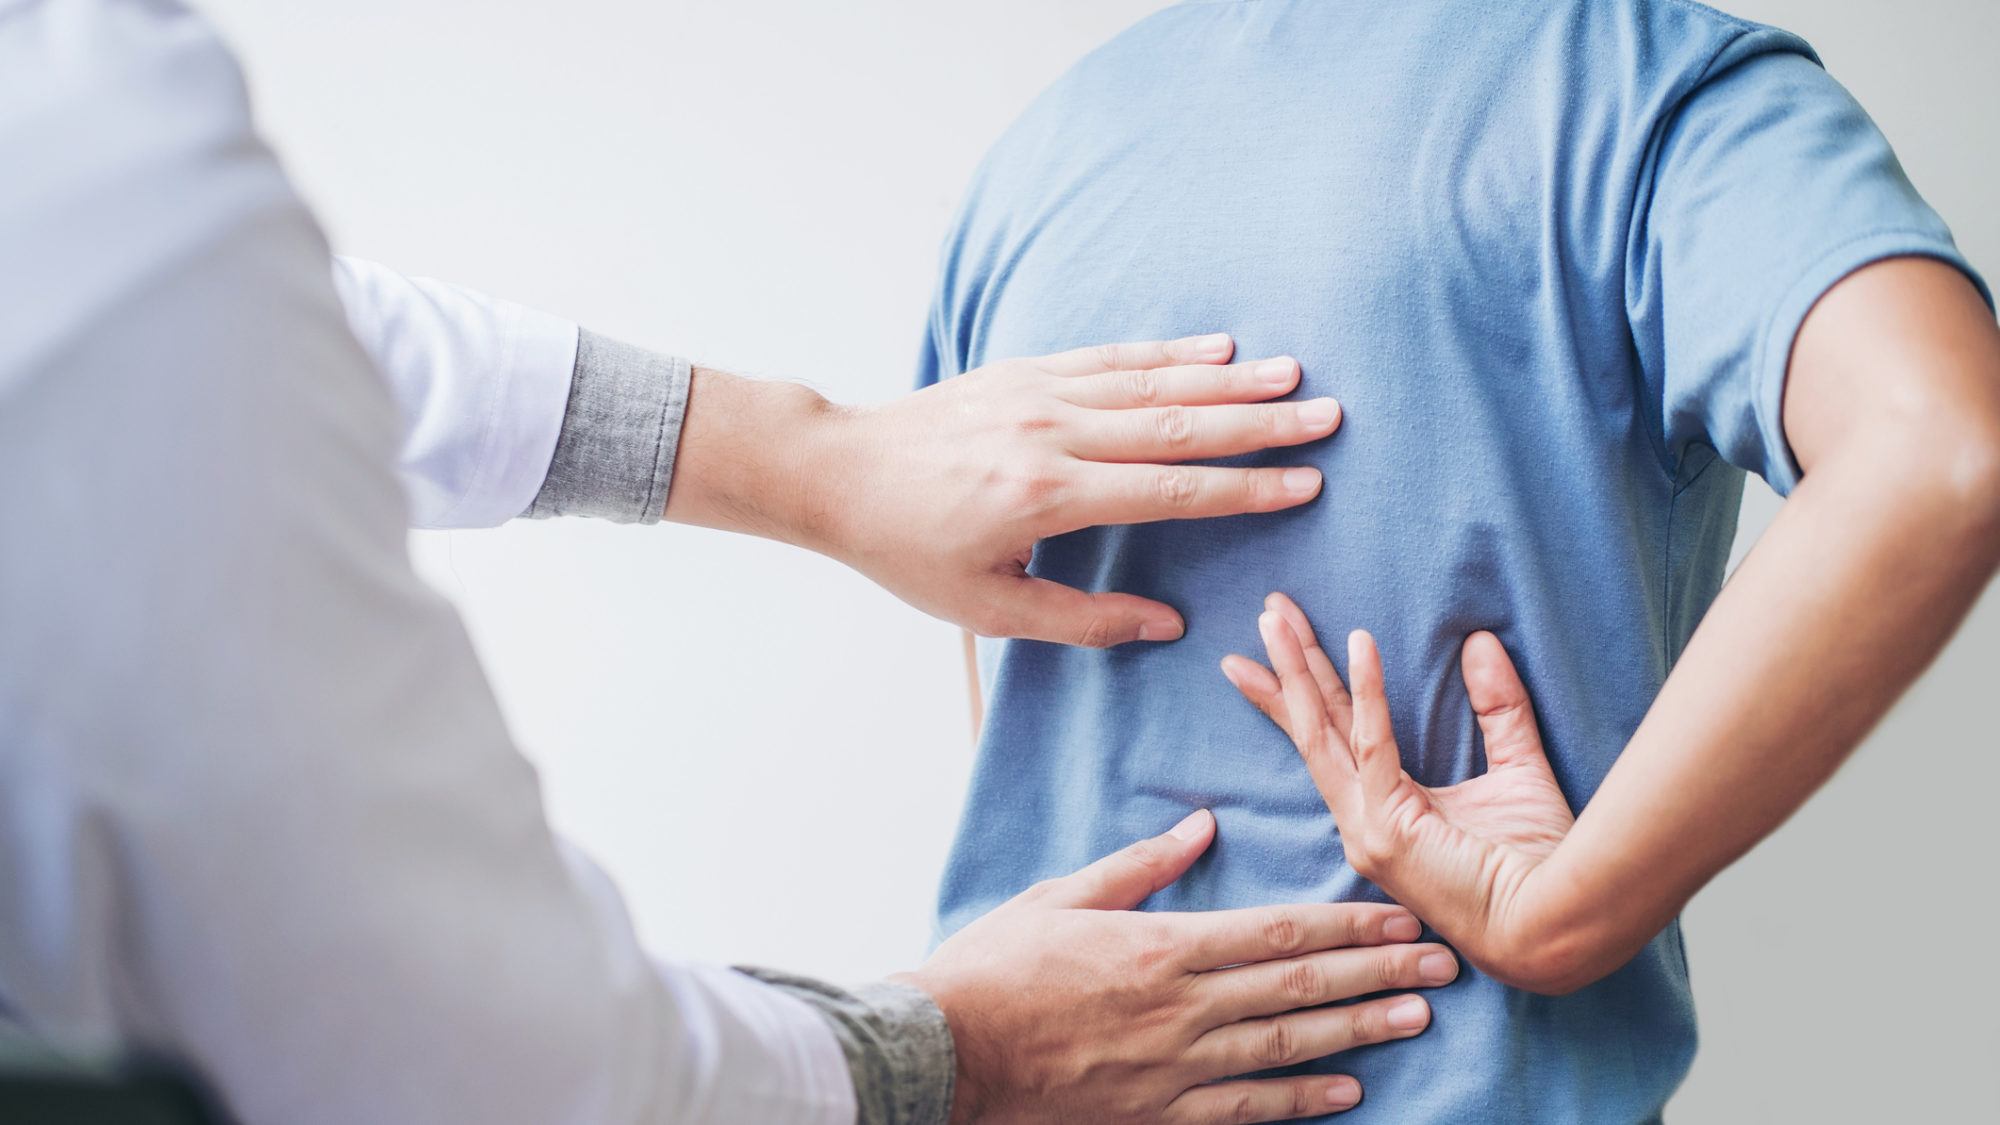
pixel 1451 853
pixel 1517 808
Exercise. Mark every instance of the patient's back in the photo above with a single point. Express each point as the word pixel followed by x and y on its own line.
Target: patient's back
pixel 1549 257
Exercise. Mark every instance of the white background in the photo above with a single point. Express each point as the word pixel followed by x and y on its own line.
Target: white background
pixel 767 752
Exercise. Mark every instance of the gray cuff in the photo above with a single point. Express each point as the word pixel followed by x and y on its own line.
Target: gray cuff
pixel 897 1044
pixel 615 455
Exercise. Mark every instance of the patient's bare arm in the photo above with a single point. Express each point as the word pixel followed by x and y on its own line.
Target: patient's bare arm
pixel 1893 410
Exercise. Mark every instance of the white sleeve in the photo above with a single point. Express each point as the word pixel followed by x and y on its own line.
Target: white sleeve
pixel 481 384
pixel 259 812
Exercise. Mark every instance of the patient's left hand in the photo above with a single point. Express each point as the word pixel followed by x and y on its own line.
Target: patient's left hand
pixel 1457 856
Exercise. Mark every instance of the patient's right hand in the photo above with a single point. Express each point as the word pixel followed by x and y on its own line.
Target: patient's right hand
pixel 1066 1005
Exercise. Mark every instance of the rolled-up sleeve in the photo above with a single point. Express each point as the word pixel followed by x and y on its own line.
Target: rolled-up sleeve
pixel 614 458
pixel 259 811
pixel 481 383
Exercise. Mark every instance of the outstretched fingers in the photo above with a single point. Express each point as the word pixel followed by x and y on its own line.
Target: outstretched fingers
pixel 1339 705
pixel 1261 687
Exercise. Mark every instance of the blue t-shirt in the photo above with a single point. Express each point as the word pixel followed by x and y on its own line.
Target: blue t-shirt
pixel 1550 257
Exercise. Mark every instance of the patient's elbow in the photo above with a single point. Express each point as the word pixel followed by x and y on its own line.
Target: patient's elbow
pixel 1953 455
pixel 1545 975
pixel 1554 964
pixel 1978 479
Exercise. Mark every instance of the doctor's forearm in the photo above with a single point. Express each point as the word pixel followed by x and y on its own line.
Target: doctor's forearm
pixel 647 436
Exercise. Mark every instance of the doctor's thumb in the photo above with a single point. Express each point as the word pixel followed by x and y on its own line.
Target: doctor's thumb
pixel 1124 879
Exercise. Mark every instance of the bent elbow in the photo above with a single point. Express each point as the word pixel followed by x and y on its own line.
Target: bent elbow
pixel 1963 464
pixel 1946 458
pixel 1545 975
pixel 1554 964
pixel 1979 480
pixel 1558 980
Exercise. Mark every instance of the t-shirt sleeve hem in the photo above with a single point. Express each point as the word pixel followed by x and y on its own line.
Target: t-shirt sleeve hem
pixel 1780 468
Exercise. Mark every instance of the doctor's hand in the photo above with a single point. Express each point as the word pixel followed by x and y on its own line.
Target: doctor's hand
pixel 1065 1005
pixel 941 496
pixel 1463 856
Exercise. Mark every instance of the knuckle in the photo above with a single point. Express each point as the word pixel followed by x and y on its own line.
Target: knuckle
pixel 1036 422
pixel 1284 935
pixel 1276 1044
pixel 1275 422
pixel 1176 424
pixel 1107 356
pixel 1302 1100
pixel 1096 633
pixel 1259 488
pixel 1143 386
pixel 1240 1109
pixel 1155 944
pixel 1035 493
pixel 1391 970
pixel 1234 381
pixel 1357 924
pixel 990 621
pixel 1041 889
pixel 1365 1024
pixel 1303 983
pixel 1177 488
pixel 1146 856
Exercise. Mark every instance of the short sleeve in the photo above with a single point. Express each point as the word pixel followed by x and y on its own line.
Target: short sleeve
pixel 938 358
pixel 930 361
pixel 1767 184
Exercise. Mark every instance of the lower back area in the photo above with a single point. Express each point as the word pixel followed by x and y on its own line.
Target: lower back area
pixel 1427 214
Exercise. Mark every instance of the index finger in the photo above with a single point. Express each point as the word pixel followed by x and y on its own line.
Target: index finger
pixel 1217 939
pixel 1199 384
pixel 1216 347
pixel 1123 493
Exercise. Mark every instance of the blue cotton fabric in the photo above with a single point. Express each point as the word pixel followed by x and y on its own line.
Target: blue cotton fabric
pixel 1551 258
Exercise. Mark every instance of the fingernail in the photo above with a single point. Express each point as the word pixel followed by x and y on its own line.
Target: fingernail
pixel 1301 482
pixel 1409 1015
pixel 1318 413
pixel 1437 968
pixel 1165 629
pixel 1276 372
pixel 1190 826
pixel 1401 928
pixel 1343 1092
pixel 1212 346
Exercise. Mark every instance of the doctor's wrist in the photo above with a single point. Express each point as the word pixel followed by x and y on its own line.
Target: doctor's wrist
pixel 752 455
pixel 898 1047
